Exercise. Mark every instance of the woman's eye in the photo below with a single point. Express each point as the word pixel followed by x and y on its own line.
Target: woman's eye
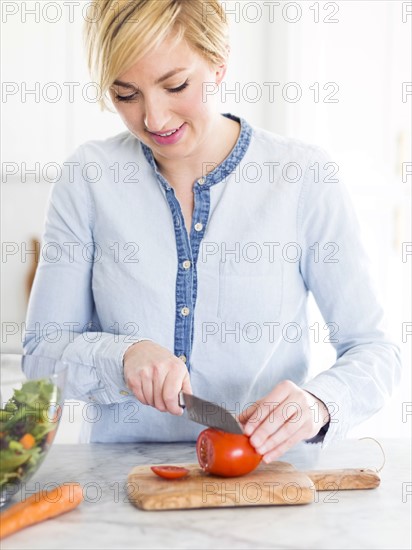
pixel 179 88
pixel 125 97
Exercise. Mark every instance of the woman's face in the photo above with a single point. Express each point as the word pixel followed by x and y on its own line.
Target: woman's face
pixel 164 92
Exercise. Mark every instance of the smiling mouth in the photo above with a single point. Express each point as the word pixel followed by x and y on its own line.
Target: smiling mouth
pixel 166 134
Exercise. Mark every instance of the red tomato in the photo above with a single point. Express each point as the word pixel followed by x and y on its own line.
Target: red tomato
pixel 170 472
pixel 226 454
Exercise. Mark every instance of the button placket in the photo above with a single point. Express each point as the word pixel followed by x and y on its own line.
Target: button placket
pixel 184 281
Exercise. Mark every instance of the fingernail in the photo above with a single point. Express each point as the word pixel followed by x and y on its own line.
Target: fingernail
pixel 248 429
pixel 256 441
pixel 270 457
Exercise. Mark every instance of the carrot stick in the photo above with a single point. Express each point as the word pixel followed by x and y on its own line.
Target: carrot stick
pixel 28 441
pixel 40 506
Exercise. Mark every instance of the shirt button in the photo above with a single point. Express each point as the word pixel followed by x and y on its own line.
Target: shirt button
pixel 187 264
pixel 201 181
pixel 185 311
pixel 199 227
pixel 123 392
pixel 183 358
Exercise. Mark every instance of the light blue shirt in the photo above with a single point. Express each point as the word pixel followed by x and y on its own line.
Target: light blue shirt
pixel 272 223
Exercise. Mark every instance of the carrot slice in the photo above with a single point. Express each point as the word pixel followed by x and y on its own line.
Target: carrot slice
pixel 28 441
pixel 40 506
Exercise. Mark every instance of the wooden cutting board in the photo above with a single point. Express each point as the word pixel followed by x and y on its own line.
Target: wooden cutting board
pixel 270 484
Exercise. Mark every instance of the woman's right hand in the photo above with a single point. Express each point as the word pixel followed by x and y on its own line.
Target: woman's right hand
pixel 156 376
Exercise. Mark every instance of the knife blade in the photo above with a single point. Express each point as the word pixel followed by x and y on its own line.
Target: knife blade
pixel 209 414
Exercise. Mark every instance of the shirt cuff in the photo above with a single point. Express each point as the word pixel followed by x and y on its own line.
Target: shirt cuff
pixel 109 366
pixel 326 388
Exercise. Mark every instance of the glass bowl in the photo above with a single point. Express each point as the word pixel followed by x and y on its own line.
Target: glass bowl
pixel 30 414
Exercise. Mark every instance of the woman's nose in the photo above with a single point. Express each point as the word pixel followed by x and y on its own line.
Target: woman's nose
pixel 155 116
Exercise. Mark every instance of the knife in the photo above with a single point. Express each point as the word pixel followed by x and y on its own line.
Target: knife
pixel 209 414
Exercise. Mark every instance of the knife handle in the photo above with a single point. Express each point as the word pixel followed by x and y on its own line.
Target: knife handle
pixel 182 400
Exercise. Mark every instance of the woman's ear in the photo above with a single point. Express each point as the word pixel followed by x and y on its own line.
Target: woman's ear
pixel 220 73
pixel 221 69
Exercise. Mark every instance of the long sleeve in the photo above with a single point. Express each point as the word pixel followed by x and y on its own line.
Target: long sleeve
pixel 336 269
pixel 62 323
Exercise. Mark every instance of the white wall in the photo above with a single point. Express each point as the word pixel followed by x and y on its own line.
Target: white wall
pixel 366 53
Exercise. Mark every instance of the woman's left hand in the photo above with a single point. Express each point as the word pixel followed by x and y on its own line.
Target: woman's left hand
pixel 282 418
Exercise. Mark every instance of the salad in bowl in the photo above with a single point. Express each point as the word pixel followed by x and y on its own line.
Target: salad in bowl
pixel 28 424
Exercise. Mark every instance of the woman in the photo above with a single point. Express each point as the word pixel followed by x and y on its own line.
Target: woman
pixel 177 271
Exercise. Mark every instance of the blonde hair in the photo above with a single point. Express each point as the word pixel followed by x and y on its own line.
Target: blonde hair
pixel 118 33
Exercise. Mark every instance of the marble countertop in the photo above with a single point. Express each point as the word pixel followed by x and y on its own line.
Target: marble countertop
pixel 378 518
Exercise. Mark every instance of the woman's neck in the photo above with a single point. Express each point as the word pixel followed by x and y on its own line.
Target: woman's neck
pixel 217 149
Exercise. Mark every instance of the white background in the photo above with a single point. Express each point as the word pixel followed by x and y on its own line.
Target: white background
pixel 364 55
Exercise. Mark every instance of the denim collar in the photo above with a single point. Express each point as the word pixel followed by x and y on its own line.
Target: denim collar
pixel 221 171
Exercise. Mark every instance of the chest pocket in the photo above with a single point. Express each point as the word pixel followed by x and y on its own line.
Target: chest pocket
pixel 249 291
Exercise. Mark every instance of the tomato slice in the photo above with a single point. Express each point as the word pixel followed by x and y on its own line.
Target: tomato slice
pixel 225 454
pixel 170 472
